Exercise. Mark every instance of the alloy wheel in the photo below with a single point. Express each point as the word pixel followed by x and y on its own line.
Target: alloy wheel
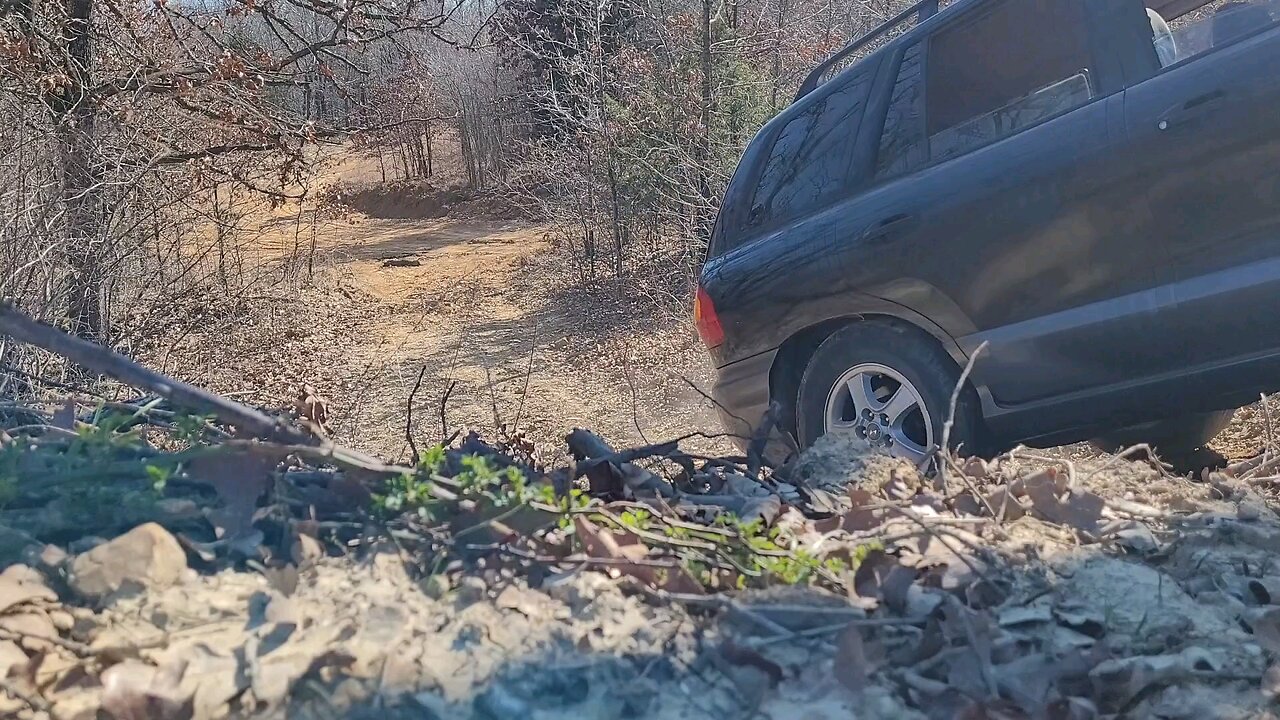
pixel 882 407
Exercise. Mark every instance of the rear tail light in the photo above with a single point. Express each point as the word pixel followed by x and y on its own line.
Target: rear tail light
pixel 704 316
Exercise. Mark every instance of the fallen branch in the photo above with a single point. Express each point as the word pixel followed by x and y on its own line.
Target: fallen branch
pixel 247 420
pixel 107 362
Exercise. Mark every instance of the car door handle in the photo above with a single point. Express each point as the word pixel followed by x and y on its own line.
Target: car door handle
pixel 1196 107
pixel 887 227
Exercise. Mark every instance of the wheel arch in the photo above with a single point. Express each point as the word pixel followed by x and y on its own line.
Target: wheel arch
pixel 795 352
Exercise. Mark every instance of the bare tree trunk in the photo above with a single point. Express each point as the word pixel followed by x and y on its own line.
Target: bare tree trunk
pixel 81 180
pixel 777 55
pixel 431 170
pixel 702 224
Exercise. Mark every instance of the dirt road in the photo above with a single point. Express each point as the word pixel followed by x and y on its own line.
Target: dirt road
pixel 412 296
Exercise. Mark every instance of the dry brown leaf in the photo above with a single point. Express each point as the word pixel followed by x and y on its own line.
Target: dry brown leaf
pixel 65 416
pixel 133 690
pixel 861 517
pixel 976 467
pixel 283 579
pixel 1266 628
pixel 742 656
pixel 856 659
pixel 1265 590
pixel 313 409
pixel 1002 500
pixel 603 543
pixel 305 550
pixel 240 477
pixel 1081 510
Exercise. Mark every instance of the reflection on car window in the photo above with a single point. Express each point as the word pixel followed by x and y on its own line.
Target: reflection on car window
pixel 1218 24
pixel 1024 112
pixel 902 145
pixel 990 78
pixel 810 161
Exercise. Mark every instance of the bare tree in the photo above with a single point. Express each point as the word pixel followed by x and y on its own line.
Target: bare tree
pixel 232 88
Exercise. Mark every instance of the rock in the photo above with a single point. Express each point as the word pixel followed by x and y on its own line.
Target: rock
pixel 577 589
pixel 435 586
pixel 62 620
pixel 47 558
pixel 272 608
pixel 133 689
pixel 178 508
pixel 306 550
pixel 499 703
pixel 30 627
pixel 85 544
pixel 13 543
pixel 145 557
pixel 15 590
pixel 472 590
pixel 1250 511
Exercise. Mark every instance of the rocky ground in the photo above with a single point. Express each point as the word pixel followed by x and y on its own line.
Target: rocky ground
pixel 844 585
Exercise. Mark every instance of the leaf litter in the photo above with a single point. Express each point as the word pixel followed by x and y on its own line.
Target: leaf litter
pixel 647 583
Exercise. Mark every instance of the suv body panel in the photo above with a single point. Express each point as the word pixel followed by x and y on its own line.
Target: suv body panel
pixel 1067 246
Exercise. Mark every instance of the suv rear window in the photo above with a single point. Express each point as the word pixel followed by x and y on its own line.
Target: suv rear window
pixel 810 161
pixel 1012 65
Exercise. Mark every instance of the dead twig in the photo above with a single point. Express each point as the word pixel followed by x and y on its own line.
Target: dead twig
pixel 408 420
pixel 528 373
pixel 107 362
pixel 951 413
pixel 1124 454
pixel 444 420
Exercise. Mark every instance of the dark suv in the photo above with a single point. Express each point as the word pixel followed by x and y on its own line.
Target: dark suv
pixel 1089 188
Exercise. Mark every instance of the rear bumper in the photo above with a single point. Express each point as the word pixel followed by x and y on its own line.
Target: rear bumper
pixel 741 393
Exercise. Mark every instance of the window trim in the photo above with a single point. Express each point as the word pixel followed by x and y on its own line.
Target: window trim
pixel 900 56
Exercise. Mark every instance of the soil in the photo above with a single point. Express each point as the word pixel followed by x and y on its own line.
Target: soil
pixel 410 300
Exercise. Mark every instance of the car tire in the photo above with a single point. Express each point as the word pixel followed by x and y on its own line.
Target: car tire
pixel 1173 437
pixel 876 361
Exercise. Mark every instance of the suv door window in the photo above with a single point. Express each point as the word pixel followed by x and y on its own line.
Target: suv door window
pixel 811 159
pixel 1015 64
pixel 1216 25
pixel 902 144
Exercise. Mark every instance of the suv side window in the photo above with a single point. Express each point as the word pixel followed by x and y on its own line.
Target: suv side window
pixel 811 159
pixel 902 144
pixel 1015 64
pixel 1215 25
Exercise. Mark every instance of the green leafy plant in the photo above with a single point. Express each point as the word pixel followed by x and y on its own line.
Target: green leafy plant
pixel 159 476
pixel 407 492
pixel 190 428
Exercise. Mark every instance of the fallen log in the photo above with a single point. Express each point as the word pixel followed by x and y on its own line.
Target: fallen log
pixel 108 362
pixel 250 423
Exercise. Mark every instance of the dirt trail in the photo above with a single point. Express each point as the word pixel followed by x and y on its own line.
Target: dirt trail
pixel 479 304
